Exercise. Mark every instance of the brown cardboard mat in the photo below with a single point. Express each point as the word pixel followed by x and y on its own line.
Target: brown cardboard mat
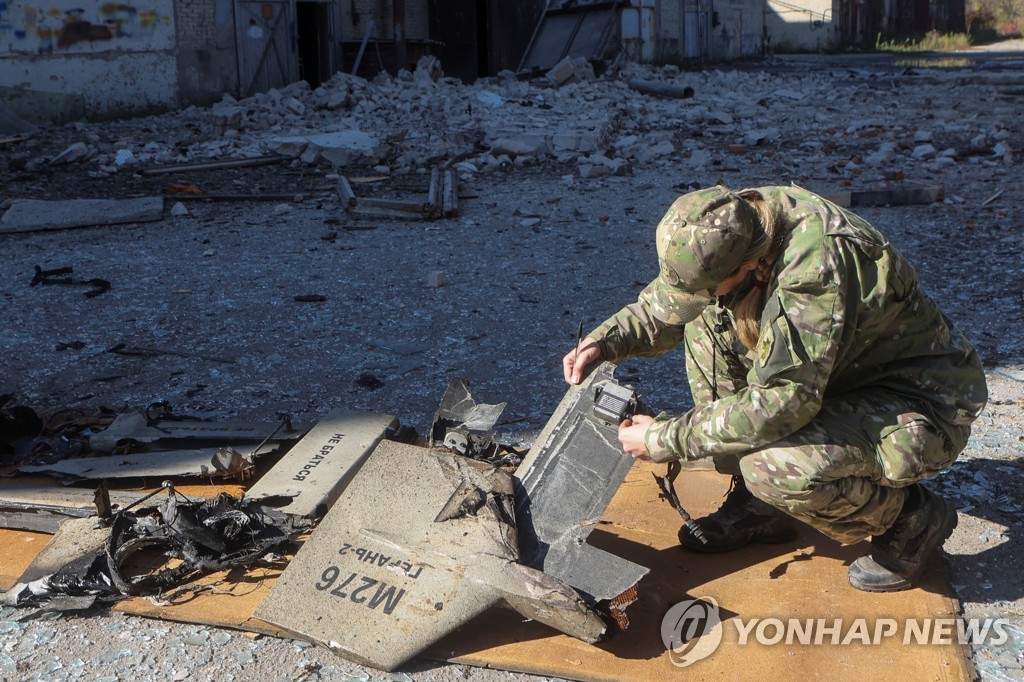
pixel 801 580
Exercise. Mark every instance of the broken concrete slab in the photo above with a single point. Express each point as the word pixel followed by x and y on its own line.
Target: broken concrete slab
pixel 418 544
pixel 338 148
pixel 571 70
pixel 313 473
pixel 27 215
pixel 135 427
pixel 563 487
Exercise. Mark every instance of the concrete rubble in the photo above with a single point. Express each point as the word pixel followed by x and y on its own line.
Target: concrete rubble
pixel 640 116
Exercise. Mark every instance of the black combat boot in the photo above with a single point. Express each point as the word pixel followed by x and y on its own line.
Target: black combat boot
pixel 740 520
pixel 901 554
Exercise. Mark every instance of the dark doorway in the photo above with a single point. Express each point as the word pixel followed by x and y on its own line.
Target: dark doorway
pixel 460 28
pixel 481 37
pixel 314 22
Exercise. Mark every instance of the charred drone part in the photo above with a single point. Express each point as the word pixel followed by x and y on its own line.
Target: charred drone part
pixel 571 474
pixel 465 427
pixel 88 562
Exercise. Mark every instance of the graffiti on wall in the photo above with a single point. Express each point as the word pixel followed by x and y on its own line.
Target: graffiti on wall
pixel 77 26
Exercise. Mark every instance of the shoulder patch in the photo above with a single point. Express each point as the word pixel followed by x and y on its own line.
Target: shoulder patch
pixel 765 344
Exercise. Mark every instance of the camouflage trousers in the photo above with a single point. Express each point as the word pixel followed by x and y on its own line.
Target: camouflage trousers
pixel 846 472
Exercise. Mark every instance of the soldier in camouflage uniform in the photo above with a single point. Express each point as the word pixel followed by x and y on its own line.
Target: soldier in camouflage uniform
pixel 825 380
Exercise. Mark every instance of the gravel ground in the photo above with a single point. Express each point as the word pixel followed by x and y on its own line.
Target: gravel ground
pixel 535 250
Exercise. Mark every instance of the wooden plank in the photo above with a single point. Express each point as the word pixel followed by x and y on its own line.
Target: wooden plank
pixel 214 165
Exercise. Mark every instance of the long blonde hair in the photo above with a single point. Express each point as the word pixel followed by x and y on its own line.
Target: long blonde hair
pixel 747 313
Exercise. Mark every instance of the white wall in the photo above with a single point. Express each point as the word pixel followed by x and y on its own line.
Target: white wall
pixel 115 57
pixel 801 25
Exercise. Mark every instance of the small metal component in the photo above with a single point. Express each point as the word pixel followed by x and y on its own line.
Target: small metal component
pixel 613 404
pixel 102 500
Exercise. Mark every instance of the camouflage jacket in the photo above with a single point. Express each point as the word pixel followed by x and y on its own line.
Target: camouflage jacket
pixel 843 313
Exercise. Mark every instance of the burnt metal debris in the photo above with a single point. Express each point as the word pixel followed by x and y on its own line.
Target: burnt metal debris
pixel 222 462
pixel 418 544
pixel 466 427
pixel 194 538
pixel 565 484
pixel 157 425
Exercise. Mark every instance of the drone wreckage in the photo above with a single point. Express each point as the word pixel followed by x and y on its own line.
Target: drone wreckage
pixel 398 543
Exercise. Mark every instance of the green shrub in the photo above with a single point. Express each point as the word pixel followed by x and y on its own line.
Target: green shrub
pixel 933 41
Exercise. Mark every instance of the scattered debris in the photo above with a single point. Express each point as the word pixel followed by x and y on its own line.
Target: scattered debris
pixel 993 197
pixel 27 215
pixel 60 276
pixel 195 539
pixel 466 427
pixel 442 199
pixel 79 151
pixel 435 278
pixel 222 462
pixel 158 425
pixel 418 544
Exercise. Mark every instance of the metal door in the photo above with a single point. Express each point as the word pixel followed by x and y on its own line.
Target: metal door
pixel 265 33
pixel 695 31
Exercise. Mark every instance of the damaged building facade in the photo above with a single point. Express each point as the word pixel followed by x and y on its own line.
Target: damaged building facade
pixel 64 60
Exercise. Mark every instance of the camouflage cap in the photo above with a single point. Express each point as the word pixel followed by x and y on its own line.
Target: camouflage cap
pixel 702 239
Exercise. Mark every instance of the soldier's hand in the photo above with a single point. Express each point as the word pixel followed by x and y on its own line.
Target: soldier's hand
pixel 574 366
pixel 631 435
